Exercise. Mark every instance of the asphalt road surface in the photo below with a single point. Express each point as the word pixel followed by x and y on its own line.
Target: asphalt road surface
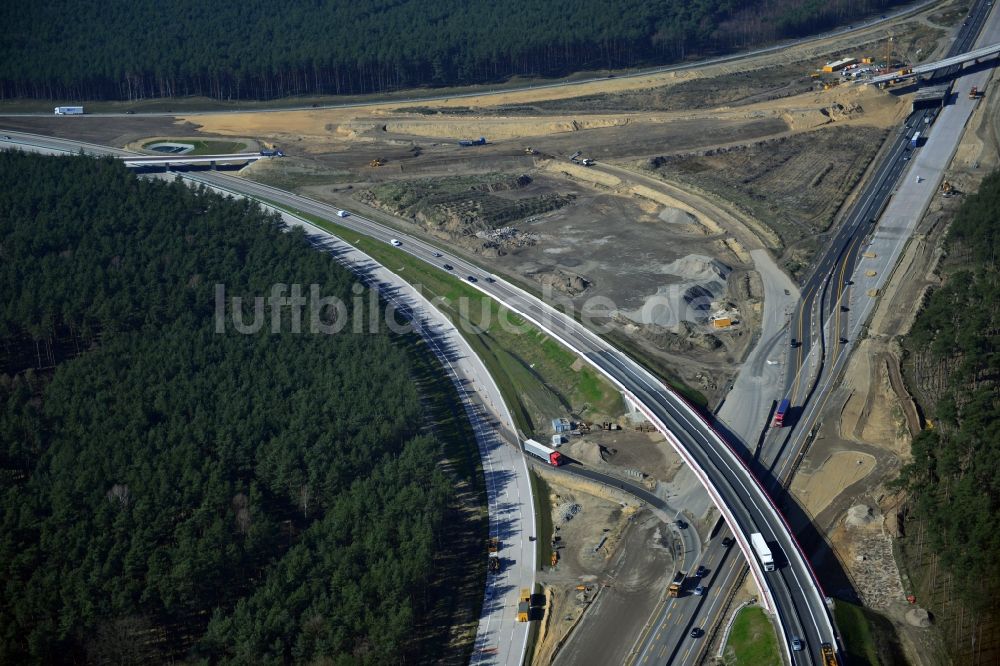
pixel 828 291
pixel 884 245
pixel 791 592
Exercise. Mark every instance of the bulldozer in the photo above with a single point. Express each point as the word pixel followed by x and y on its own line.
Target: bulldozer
pixel 377 162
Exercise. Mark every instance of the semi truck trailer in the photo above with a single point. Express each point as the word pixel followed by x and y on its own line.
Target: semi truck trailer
pixel 551 456
pixel 69 111
pixel 780 413
pixel 763 552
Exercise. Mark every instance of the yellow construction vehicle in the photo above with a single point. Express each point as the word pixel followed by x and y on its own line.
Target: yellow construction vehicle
pixel 829 655
pixel 530 151
pixel 377 162
pixel 676 585
pixel 555 558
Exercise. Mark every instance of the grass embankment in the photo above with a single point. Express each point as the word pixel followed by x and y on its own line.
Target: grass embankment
pixel 752 641
pixel 538 377
pixel 543 518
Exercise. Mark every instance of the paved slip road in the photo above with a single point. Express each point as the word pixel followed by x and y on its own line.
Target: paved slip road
pixel 886 242
pixel 835 301
pixel 791 592
pixel 500 639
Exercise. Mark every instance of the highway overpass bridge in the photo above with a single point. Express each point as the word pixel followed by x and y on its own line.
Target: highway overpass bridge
pixel 167 161
pixel 960 59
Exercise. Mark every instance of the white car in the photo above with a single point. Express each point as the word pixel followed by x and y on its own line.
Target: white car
pixel 395 242
pixel 342 213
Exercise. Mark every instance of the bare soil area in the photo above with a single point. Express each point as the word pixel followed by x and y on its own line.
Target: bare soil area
pixel 875 414
pixel 794 184
pixel 591 527
pixel 628 453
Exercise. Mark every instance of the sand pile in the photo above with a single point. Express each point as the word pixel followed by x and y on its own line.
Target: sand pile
pixel 860 515
pixel 700 281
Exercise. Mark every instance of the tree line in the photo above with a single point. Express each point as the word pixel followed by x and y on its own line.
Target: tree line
pixel 953 480
pixel 250 49
pixel 173 493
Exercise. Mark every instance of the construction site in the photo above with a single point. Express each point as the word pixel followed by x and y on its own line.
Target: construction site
pixel 671 200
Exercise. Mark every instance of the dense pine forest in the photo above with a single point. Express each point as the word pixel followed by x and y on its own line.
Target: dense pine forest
pixel 257 49
pixel 173 493
pixel 954 478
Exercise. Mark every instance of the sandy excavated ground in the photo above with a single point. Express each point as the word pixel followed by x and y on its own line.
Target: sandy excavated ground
pixel 625 453
pixel 369 123
pixel 591 523
pixel 818 488
pixel 875 416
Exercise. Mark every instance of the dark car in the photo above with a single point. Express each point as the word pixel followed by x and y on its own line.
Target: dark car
pixel 448 267
pixel 696 632
pixel 130 113
pixel 728 541
pixel 489 279
pixel 701 571
pixel 472 278
pixel 680 524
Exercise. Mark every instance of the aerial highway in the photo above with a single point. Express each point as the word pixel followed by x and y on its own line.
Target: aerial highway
pixel 791 592
pixel 824 290
pixel 846 303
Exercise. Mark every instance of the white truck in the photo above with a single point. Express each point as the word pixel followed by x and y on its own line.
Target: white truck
pixel 763 552
pixel 69 111
pixel 551 456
